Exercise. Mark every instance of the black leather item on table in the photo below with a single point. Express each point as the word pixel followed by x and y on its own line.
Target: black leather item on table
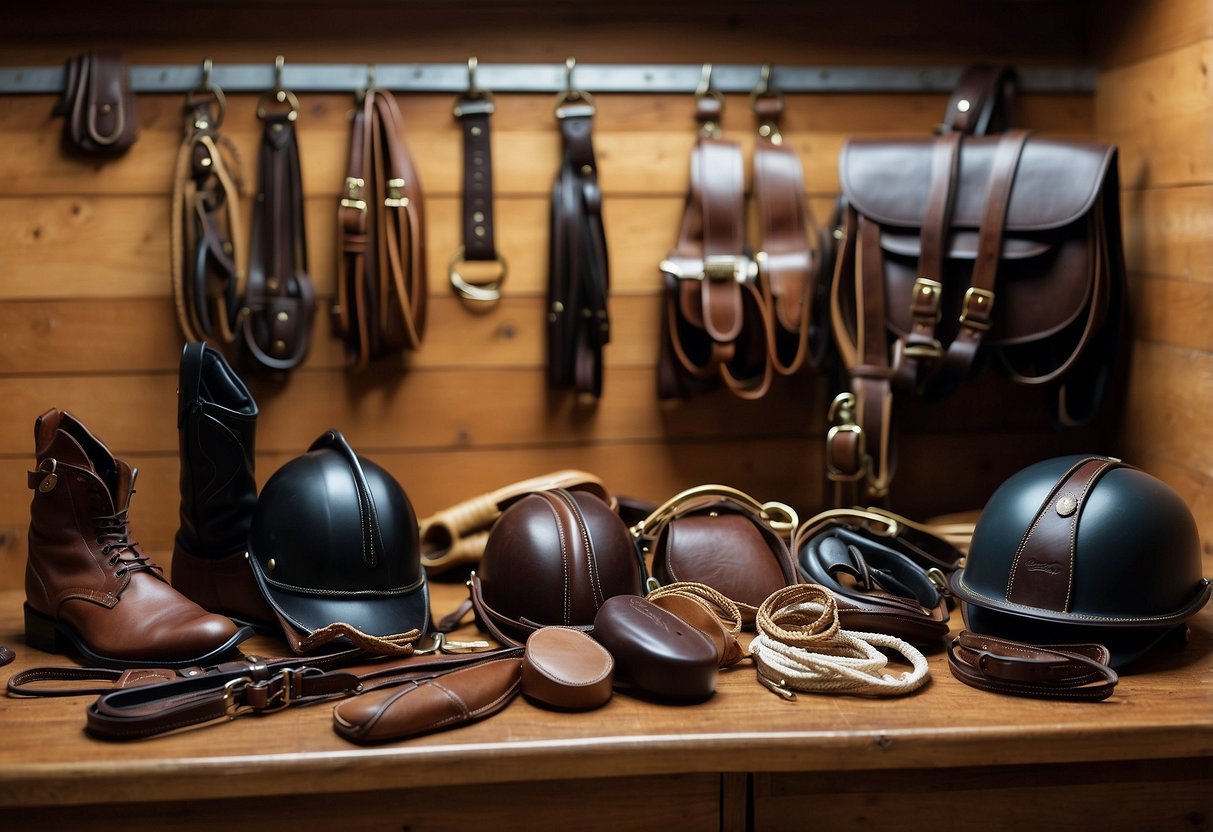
pixel 578 272
pixel 279 300
pixel 1083 550
pixel 880 589
pixel 6 656
pixel 98 105
pixel 656 650
pixel 217 427
pixel 334 541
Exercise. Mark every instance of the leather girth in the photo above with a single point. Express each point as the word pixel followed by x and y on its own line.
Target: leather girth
pixel 381 272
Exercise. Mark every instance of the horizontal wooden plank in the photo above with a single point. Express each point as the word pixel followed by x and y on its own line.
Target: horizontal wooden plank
pixel 642 143
pixel 48 337
pixel 1160 113
pixel 1174 311
pixel 1169 231
pixel 423 409
pixel 118 247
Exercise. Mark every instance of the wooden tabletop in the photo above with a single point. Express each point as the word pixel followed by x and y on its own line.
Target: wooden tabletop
pixel 1162 710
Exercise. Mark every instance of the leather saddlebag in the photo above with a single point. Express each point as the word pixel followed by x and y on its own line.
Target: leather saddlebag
pixel 98 105
pixel 957 252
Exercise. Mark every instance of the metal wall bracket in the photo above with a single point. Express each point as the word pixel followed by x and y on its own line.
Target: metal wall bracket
pixel 550 78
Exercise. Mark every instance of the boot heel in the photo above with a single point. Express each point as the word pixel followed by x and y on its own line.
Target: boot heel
pixel 40 633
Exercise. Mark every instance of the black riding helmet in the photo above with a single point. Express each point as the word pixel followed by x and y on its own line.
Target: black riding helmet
pixel 334 539
pixel 1083 549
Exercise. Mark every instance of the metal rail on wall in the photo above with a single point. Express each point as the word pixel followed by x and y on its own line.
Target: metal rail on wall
pixel 550 78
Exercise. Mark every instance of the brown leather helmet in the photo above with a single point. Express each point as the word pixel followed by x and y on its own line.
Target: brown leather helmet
pixel 553 558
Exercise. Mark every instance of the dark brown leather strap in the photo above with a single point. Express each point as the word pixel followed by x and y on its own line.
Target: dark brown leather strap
pixel 473 110
pixel 279 300
pixel 381 274
pixel 6 655
pixel 207 232
pixel 982 101
pixel 1077 672
pixel 578 271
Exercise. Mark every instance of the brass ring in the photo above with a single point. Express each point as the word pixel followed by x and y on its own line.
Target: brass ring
pixel 489 292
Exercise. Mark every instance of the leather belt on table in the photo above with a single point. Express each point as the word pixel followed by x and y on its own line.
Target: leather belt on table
pixel 578 278
pixel 473 110
pixel 1068 671
pixel 381 273
pixel 279 301
pixel 207 232
pixel 135 704
pixel 730 317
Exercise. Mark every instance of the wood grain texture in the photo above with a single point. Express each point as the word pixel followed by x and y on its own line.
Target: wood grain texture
pixel 1169 231
pixel 1126 31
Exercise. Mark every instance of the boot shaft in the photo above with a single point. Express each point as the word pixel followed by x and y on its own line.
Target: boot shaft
pixel 217 424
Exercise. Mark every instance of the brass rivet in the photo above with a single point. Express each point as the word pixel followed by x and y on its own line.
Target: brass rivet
pixel 277 128
pixel 282 316
pixel 272 284
pixel 206 163
pixel 480 231
pixel 587 169
pixel 227 248
pixel 837 233
pixel 271 564
pixel 1067 505
pixel 963 105
pixel 764 130
pixel 478 216
pixel 476 131
pixel 106 109
pixel 280 346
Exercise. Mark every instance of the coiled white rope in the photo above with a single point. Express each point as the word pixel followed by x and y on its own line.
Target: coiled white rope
pixel 801 647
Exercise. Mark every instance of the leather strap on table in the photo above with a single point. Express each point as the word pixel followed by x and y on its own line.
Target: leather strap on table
pixel 207 230
pixel 6 655
pixel 1077 672
pixel 473 110
pixel 263 686
pixel 578 273
pixel 381 273
pixel 279 300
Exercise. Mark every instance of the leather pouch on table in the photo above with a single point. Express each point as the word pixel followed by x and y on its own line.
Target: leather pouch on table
pixel 567 669
pixel 98 105
pixel 655 650
pixel 887 577
pixel 722 537
pixel 454 698
pixel 551 560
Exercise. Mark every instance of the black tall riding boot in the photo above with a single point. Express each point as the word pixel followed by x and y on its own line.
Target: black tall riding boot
pixel 217 423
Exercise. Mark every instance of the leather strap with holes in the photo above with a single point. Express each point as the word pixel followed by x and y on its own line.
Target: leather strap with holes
pixel 473 110
pixel 381 270
pixel 279 301
pixel 1078 672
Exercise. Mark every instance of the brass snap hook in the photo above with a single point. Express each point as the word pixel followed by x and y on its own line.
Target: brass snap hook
pixel 279 94
pixel 709 104
pixel 571 94
pixel 767 103
pixel 208 89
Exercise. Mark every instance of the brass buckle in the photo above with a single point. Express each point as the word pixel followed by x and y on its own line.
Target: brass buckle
pixel 288 693
pixel 486 292
pixel 353 190
pixel 842 413
pixel 723 267
pixel 231 690
pixel 978 304
pixel 924 304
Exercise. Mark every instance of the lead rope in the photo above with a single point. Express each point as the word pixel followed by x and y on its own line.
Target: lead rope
pixel 801 647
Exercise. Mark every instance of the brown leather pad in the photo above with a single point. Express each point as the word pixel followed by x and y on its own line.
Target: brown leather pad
pixel 566 669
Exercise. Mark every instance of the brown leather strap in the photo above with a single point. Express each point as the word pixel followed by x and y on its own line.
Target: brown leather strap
pixel 381 273
pixel 207 230
pixel 982 101
pixel 280 300
pixel 1077 672
pixel 6 655
pixel 473 110
pixel 98 105
pixel 578 271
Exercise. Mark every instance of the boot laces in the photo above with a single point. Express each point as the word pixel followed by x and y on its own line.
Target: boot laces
pixel 113 534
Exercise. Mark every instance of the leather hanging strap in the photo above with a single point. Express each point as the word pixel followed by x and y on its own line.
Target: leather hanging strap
pixel 1078 672
pixel 578 275
pixel 207 231
pixel 474 110
pixel 280 300
pixel 381 274
pixel 982 101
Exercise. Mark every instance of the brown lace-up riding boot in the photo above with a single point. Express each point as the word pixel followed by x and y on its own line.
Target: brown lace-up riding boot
pixel 217 425
pixel 87 584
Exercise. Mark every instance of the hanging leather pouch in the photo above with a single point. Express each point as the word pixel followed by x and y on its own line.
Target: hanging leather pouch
pixel 98 105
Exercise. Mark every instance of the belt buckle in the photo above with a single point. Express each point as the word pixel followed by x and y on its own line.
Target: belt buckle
pixel 978 304
pixel 725 267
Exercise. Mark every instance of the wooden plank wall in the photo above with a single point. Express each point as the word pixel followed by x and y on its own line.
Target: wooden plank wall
pixel 1155 100
pixel 86 321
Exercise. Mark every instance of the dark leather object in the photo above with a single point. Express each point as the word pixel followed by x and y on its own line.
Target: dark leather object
pixel 567 669
pixel 6 656
pixel 88 585
pixel 98 105
pixel 701 617
pixel 217 429
pixel 656 650
pixel 1083 550
pixel 334 540
pixel 983 101
pixel 1074 672
pixel 880 589
pixel 553 558
pixel 449 700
